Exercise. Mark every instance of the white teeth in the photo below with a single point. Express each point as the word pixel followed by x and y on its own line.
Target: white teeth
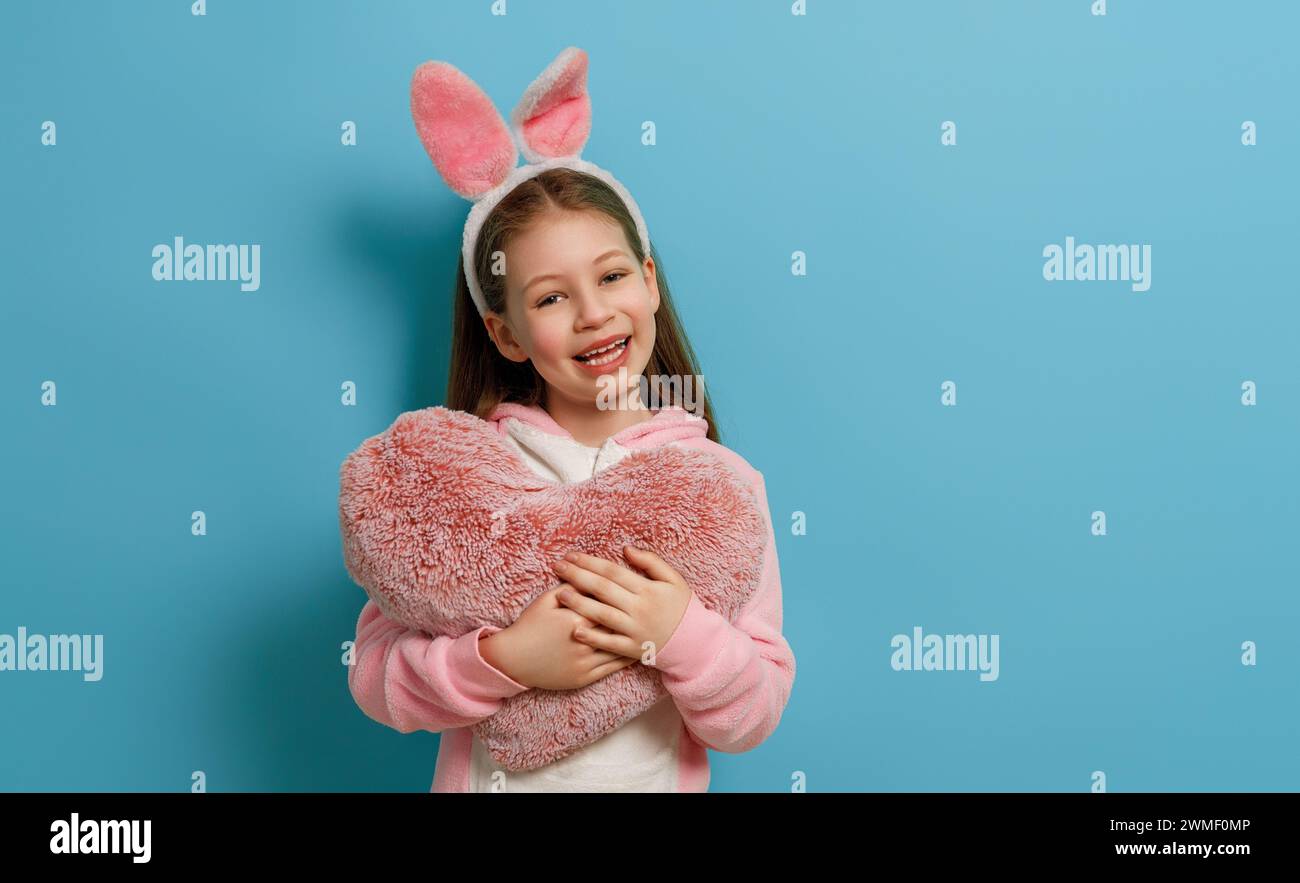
pixel 618 344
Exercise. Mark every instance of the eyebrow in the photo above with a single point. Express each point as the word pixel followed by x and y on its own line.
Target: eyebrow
pixel 536 279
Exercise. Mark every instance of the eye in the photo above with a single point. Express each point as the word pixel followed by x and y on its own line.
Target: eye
pixel 617 273
pixel 546 300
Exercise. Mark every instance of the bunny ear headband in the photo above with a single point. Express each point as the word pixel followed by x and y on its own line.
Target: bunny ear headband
pixel 475 153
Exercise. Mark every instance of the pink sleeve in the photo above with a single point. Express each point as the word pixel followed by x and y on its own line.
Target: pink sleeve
pixel 731 682
pixel 405 679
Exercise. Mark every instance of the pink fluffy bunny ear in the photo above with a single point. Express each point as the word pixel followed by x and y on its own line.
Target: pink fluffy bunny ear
pixel 553 119
pixel 461 130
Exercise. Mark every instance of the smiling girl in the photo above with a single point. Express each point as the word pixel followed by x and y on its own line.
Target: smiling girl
pixel 533 347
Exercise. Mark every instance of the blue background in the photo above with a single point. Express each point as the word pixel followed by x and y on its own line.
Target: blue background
pixel 775 133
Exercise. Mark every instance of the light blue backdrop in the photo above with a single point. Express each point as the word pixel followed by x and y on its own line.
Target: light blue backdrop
pixel 776 133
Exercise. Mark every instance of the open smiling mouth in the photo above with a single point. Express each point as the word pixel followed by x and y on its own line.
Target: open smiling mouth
pixel 605 354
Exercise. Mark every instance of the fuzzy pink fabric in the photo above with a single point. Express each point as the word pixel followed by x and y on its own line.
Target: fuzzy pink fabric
pixel 553 118
pixel 448 530
pixel 461 129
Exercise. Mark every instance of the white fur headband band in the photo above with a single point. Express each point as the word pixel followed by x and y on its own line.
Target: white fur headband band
pixel 475 153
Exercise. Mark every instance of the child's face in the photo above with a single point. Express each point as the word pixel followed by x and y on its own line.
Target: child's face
pixel 596 290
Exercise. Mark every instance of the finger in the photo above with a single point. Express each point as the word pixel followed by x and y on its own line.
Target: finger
pixel 607 640
pixel 586 627
pixel 594 610
pixel 610 570
pixel 608 668
pixel 600 657
pixel 654 566
pixel 555 593
pixel 593 584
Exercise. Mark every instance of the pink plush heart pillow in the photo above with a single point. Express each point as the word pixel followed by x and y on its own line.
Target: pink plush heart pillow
pixel 447 529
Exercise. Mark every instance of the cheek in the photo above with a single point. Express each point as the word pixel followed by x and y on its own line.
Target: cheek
pixel 637 308
pixel 644 318
pixel 550 344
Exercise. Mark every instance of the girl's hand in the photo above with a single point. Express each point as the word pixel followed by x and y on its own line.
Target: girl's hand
pixel 630 610
pixel 538 649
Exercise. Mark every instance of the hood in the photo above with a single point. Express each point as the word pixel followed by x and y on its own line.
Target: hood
pixel 670 423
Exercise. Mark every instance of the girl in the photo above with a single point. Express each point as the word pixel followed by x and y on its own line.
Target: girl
pixel 533 349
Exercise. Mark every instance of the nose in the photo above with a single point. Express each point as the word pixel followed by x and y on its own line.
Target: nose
pixel 593 309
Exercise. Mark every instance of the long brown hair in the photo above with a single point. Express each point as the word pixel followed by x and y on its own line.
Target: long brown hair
pixel 480 377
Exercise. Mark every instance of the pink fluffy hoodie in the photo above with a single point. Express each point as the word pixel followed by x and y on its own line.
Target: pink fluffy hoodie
pixel 730 681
